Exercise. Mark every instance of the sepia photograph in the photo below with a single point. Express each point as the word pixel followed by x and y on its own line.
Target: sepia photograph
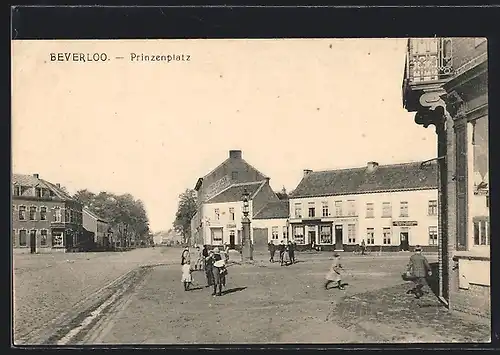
pixel 250 191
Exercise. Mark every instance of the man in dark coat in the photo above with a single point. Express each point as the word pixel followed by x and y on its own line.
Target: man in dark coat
pixel 282 249
pixel 291 252
pixel 272 251
pixel 419 269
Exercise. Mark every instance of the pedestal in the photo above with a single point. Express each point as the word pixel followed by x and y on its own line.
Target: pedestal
pixel 246 247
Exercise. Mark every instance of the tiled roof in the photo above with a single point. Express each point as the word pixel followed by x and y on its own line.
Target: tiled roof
pixel 93 215
pixel 31 181
pixel 235 192
pixel 407 176
pixel 275 209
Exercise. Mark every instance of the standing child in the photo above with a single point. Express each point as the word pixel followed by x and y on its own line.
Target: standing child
pixel 334 273
pixel 186 268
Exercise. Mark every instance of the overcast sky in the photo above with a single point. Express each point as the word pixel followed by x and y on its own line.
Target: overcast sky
pixel 152 128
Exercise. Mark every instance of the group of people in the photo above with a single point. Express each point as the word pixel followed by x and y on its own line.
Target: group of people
pixel 213 262
pixel 286 252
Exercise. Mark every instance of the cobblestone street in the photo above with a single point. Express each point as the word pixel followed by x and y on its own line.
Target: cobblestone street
pixel 266 303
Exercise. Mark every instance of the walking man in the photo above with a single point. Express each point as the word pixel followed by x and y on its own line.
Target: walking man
pixel 363 247
pixel 282 249
pixel 272 250
pixel 334 273
pixel 291 252
pixel 419 269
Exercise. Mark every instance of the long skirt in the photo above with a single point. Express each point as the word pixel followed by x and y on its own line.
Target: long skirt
pixel 210 275
pixel 186 273
pixel 219 277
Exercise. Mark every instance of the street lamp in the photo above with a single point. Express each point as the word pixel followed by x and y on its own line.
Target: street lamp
pixel 287 229
pixel 246 241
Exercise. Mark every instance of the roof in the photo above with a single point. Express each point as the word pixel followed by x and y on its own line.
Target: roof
pixel 234 192
pixel 32 181
pixel 396 177
pixel 275 209
pixel 93 215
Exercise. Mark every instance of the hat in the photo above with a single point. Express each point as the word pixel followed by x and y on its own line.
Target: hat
pixel 216 250
pixel 418 248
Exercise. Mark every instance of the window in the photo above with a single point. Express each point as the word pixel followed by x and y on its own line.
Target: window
pixel 403 209
pixel 298 234
pixel 17 190
pixel 433 208
pixel 217 214
pixel 43 237
pixel 234 175
pixel 57 214
pixel 22 237
pixel 38 192
pixel 338 208
pixel 43 213
pixel 369 210
pixel 325 235
pixel 298 210
pixel 326 212
pixel 351 233
pixel 285 232
pixel 386 209
pixel 387 235
pixel 351 208
pixel 57 239
pixel 66 215
pixel 370 236
pixel 231 213
pixel 481 231
pixel 275 233
pixel 232 235
pixel 22 213
pixel 433 235
pixel 311 210
pixel 32 213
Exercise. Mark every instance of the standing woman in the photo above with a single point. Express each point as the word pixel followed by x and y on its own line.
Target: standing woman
pixel 219 271
pixel 209 264
pixel 186 268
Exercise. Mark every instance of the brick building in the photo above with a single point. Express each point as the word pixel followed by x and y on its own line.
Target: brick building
pixel 219 197
pixel 44 217
pixel 390 207
pixel 446 85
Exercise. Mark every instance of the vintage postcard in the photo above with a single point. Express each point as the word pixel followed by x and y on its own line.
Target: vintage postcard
pixel 250 191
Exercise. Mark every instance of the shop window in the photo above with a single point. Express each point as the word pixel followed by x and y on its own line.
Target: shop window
pixel 57 239
pixel 325 235
pixel 298 234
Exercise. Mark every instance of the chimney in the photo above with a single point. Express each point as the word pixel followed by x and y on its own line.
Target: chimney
pixel 307 172
pixel 58 185
pixel 235 154
pixel 371 166
pixel 36 176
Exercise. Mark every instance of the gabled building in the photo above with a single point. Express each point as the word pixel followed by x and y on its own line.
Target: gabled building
pixel 272 222
pixel 98 227
pixel 219 196
pixel 390 207
pixel 446 85
pixel 44 216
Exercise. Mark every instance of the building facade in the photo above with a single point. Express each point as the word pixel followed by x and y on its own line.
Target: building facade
pixel 390 207
pixel 219 197
pixel 272 221
pixel 446 85
pixel 98 227
pixel 44 217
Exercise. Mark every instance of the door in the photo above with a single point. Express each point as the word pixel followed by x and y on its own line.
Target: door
pixel 404 243
pixel 33 241
pixel 232 241
pixel 339 237
pixel 311 233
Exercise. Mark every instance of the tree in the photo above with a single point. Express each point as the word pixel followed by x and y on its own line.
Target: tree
pixel 283 195
pixel 185 211
pixel 85 197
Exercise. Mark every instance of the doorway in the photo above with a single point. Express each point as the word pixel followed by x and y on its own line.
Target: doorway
pixel 339 237
pixel 311 233
pixel 232 241
pixel 403 240
pixel 33 241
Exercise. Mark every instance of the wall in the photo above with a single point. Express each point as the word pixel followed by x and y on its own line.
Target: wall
pixel 89 222
pixel 224 222
pixel 269 223
pixel 466 48
pixel 417 211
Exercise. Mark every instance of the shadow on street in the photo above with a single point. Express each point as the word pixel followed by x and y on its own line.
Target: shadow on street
pixel 232 290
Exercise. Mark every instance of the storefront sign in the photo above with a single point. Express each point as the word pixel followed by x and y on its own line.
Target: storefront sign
pixel 404 223
pixel 231 226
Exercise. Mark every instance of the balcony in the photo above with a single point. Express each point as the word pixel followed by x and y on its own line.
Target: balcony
pixel 428 66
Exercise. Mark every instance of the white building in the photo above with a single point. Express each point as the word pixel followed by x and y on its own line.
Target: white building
pixel 272 221
pixel 390 207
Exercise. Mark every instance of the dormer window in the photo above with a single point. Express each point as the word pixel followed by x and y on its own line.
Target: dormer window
pixel 17 190
pixel 38 192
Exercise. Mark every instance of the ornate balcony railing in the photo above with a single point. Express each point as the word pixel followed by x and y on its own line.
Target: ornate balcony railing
pixel 428 60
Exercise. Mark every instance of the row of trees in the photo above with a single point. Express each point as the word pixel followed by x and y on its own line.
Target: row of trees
pixel 126 215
